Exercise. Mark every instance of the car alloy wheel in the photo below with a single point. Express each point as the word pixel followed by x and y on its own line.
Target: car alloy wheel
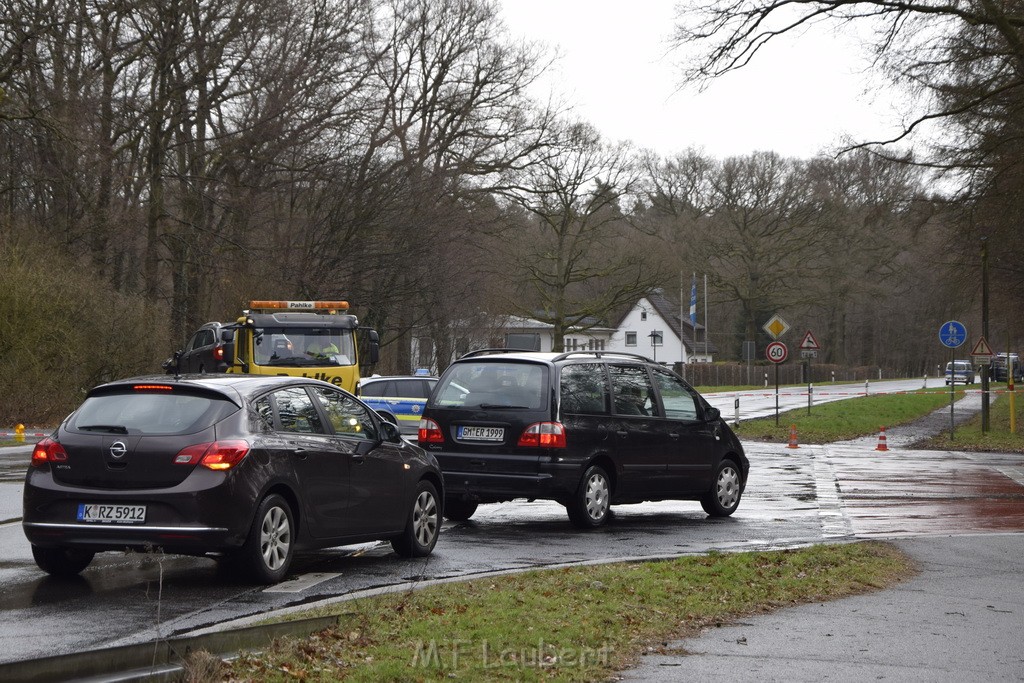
pixel 422 526
pixel 275 538
pixel 267 552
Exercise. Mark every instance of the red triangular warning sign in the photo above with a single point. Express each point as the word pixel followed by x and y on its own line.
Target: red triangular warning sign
pixel 809 342
pixel 982 348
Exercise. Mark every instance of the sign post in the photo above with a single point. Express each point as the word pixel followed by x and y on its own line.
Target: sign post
pixel 952 334
pixel 777 353
pixel 809 349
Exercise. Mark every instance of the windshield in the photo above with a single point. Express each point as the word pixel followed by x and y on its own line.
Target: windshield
pixel 303 347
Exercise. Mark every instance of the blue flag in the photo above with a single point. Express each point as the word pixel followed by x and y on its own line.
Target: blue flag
pixel 693 301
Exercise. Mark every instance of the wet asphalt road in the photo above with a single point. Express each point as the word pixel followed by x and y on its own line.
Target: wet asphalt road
pixel 795 496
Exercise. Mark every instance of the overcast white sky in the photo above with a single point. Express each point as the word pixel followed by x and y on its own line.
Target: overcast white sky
pixel 797 99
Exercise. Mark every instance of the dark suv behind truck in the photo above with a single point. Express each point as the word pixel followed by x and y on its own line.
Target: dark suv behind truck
pixel 586 429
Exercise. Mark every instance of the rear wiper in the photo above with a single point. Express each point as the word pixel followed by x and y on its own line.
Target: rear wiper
pixel 497 406
pixel 117 429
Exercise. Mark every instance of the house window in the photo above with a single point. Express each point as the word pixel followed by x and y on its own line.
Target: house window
pixel 643 315
pixel 631 339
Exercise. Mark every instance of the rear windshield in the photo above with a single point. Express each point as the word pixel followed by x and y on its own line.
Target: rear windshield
pixel 150 413
pixel 493 385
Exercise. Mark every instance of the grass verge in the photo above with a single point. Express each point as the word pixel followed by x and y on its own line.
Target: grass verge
pixel 998 438
pixel 576 624
pixel 847 419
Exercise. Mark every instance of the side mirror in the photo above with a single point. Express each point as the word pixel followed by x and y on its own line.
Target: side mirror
pixel 227 335
pixel 374 347
pixel 711 414
pixel 389 432
pixel 170 365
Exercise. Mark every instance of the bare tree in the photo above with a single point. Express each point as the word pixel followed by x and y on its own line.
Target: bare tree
pixel 573 268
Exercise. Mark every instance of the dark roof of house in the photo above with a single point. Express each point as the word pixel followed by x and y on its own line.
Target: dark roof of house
pixel 669 310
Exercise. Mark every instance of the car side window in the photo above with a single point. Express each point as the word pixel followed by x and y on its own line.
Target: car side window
pixel 584 389
pixel 347 416
pixel 373 389
pixel 297 413
pixel 412 388
pixel 634 394
pixel 679 401
pixel 262 415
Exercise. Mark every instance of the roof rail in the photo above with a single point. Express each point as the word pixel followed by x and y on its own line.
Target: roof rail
pixel 601 354
pixel 487 352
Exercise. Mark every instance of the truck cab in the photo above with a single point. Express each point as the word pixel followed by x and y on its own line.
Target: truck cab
pixel 318 339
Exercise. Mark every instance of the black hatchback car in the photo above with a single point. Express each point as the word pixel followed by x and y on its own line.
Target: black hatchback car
pixel 586 429
pixel 244 468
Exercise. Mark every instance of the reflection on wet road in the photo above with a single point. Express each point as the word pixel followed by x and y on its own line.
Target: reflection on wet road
pixel 795 496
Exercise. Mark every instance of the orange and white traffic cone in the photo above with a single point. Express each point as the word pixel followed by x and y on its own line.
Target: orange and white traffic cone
pixel 792 437
pixel 881 440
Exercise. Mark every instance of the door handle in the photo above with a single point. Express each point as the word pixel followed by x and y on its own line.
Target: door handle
pixel 622 434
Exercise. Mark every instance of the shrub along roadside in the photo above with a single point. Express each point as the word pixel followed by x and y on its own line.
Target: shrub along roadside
pixel 63 331
pixel 574 624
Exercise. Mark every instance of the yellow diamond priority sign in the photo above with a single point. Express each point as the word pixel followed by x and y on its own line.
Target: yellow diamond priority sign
pixel 776 327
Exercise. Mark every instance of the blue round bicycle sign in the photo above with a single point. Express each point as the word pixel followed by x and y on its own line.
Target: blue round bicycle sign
pixel 952 334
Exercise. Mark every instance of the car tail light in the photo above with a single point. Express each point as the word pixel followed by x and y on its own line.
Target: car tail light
pixel 219 455
pixel 48 450
pixel 430 432
pixel 546 434
pixel 218 352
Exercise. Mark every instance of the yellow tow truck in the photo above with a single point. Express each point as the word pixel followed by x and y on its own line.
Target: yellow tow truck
pixel 319 339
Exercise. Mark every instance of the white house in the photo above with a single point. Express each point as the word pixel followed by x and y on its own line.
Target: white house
pixel 657 327
pixel 534 335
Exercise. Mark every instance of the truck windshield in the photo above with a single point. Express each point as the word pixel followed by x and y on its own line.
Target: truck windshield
pixel 303 347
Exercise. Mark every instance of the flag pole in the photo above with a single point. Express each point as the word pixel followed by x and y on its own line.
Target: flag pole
pixel 682 346
pixel 706 357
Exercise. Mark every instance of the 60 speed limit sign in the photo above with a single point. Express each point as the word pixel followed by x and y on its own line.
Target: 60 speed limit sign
pixel 776 352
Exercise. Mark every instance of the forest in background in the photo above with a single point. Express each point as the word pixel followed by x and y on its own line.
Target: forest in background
pixel 163 162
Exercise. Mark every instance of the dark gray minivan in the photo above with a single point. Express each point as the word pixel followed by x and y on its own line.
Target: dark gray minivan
pixel 586 429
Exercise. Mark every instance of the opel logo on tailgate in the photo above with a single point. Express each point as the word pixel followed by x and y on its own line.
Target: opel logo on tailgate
pixel 118 449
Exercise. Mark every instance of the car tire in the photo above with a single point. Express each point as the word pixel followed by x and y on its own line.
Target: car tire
pixel 422 525
pixel 724 496
pixel 459 510
pixel 267 552
pixel 590 506
pixel 63 562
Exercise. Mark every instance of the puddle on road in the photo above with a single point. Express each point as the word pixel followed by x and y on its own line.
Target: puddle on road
pixel 943 494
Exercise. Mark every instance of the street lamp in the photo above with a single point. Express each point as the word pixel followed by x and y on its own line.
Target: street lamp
pixel 655 336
